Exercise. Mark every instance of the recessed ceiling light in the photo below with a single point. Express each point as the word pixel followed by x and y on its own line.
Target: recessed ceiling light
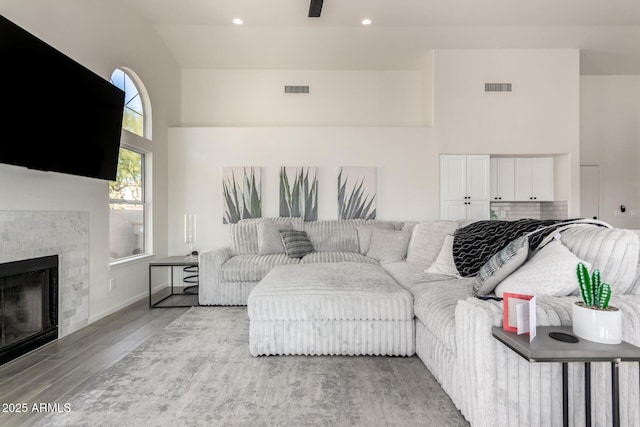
pixel 366 22
pixel 238 21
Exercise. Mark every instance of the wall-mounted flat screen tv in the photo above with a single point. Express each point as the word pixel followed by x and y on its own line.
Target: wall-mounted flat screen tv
pixel 57 114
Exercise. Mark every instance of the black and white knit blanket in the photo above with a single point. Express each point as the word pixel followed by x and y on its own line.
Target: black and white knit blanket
pixel 474 244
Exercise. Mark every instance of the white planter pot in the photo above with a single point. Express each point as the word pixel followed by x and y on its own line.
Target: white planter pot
pixel 599 326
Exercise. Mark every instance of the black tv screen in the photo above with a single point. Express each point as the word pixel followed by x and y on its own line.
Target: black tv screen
pixel 57 114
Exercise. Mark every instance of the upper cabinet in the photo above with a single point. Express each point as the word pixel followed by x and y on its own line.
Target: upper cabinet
pixel 465 186
pixel 534 179
pixel 502 179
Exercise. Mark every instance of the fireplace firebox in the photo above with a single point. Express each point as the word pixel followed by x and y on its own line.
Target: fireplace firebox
pixel 28 305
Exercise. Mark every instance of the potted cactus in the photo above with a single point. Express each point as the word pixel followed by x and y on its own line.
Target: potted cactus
pixel 593 318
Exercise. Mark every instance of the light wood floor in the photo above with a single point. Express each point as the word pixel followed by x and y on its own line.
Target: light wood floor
pixel 54 372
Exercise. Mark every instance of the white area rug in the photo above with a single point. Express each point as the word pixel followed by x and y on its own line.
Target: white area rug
pixel 198 372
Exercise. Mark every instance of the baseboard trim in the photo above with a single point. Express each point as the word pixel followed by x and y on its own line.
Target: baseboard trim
pixel 126 303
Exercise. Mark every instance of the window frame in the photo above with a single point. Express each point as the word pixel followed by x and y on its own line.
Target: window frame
pixel 142 145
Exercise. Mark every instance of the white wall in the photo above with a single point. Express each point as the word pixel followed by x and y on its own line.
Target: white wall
pixel 610 138
pixel 101 35
pixel 336 98
pixel 406 161
pixel 540 115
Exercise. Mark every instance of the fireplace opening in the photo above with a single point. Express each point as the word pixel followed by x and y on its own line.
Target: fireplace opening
pixel 28 305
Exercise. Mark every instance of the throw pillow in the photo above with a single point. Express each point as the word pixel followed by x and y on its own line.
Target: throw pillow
pixel 551 272
pixel 364 234
pixel 269 241
pixel 296 243
pixel 388 245
pixel 501 265
pixel 444 264
pixel 427 239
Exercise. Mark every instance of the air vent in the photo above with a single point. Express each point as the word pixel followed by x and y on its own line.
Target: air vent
pixel 296 89
pixel 497 87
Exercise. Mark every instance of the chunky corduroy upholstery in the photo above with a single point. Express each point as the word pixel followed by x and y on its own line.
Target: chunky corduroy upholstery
pixel 490 384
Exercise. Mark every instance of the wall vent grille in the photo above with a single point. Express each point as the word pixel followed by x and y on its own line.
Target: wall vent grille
pixel 296 89
pixel 497 87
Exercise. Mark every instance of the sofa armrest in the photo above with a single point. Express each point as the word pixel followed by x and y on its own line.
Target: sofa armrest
pixel 210 273
pixel 494 376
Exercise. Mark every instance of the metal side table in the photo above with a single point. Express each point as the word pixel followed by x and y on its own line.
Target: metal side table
pixel 189 295
pixel 543 348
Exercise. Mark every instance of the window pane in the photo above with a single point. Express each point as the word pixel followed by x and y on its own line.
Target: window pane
pixel 117 79
pixel 128 183
pixel 126 230
pixel 132 122
pixel 135 104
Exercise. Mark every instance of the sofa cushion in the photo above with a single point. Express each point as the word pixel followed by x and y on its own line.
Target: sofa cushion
pixel 296 243
pixel 366 230
pixel 244 234
pixel 252 267
pixel 411 276
pixel 551 272
pixel 611 250
pixel 434 303
pixel 321 257
pixel 334 235
pixel 388 245
pixel 427 239
pixel 269 239
pixel 501 265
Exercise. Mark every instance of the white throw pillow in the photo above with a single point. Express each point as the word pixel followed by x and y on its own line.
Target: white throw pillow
pixel 388 245
pixel 551 272
pixel 444 263
pixel 426 241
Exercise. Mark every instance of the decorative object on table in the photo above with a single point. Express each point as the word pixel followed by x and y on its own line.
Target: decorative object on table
pixel 299 192
pixel 190 234
pixel 593 318
pixel 519 313
pixel 241 188
pixel 357 193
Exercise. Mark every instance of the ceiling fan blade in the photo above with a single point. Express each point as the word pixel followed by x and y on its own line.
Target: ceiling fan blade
pixel 315 8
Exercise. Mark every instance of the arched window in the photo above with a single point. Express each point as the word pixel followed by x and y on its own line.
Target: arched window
pixel 128 210
pixel 133 118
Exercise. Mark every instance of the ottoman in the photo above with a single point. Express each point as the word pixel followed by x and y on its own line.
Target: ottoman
pixel 330 309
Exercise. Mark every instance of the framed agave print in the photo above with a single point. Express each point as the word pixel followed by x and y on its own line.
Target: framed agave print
pixel 241 192
pixel 299 192
pixel 357 193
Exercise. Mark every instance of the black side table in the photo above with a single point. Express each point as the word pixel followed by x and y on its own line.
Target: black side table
pixel 543 348
pixel 189 295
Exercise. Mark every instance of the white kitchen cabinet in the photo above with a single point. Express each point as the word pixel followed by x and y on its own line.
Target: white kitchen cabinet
pixel 464 186
pixel 465 209
pixel 534 179
pixel 502 179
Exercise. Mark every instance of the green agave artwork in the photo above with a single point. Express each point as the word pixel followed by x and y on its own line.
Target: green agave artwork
pixel 299 192
pixel 356 193
pixel 241 194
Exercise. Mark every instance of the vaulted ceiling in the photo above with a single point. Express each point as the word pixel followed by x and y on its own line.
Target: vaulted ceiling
pixel 278 34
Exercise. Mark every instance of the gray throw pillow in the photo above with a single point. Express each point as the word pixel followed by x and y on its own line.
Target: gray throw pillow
pixel 501 265
pixel 388 245
pixel 269 240
pixel 296 243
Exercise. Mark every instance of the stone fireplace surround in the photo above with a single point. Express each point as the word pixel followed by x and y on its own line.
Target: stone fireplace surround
pixel 32 234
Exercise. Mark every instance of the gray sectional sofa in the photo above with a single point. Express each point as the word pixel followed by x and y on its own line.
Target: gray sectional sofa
pixel 490 384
